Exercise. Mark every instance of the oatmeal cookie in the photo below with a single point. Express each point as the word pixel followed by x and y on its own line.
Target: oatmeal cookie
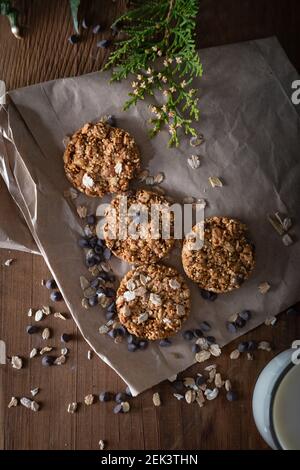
pixel 153 301
pixel 137 244
pixel 101 159
pixel 226 259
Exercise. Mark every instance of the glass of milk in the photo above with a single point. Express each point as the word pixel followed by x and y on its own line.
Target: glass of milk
pixel 276 401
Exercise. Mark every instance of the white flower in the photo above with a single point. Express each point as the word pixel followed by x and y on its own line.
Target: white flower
pixel 154 48
pixel 159 75
pixel 164 108
pixel 135 92
pixel 153 109
pixel 159 115
pixel 183 83
pixel 134 84
pixel 178 60
pixel 171 114
pixel 170 60
pixel 159 53
pixel 172 129
pixel 149 71
pixel 164 79
pixel 143 85
pixel 139 77
pixel 191 92
pixel 172 89
pixel 165 92
pixel 150 79
pixel 165 63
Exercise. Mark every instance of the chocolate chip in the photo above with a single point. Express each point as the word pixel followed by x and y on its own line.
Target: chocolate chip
pixel 243 346
pixel 178 386
pixel 231 327
pixel 97 29
pixel 121 331
pixel 48 361
pixel 110 292
pixel 188 335
pixel 105 396
pixel 252 346
pixel 143 344
pixel 74 39
pixel 120 397
pixel 51 284
pixel 207 295
pixel 240 322
pixel 205 326
pixel 210 340
pixel 196 348
pixel 112 307
pixel 113 333
pixel 118 409
pixel 105 43
pixel 106 254
pixel 109 315
pixel 32 329
pixel 198 333
pixel 91 220
pixel 200 380
pixel 131 347
pixel 131 339
pixel 231 395
pixel 164 343
pixel 93 301
pixel 56 296
pixel 84 243
pixel 245 315
pixel 65 338
pixel 111 121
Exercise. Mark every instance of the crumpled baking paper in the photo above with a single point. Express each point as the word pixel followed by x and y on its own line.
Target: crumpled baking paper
pixel 252 142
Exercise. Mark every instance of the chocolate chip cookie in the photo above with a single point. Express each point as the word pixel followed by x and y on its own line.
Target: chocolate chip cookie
pixel 139 228
pixel 153 301
pixel 226 258
pixel 101 159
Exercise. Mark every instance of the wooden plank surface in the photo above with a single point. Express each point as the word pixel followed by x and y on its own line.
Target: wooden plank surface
pixel 45 54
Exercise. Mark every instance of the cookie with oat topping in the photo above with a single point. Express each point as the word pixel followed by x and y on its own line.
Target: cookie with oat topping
pixel 101 159
pixel 137 214
pixel 226 258
pixel 153 301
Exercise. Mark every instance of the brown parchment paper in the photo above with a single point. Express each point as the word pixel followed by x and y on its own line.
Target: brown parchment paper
pixel 252 143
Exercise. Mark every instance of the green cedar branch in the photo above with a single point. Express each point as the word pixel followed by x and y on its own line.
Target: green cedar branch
pixel 159 49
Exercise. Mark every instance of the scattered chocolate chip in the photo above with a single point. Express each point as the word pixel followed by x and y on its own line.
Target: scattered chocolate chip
pixel 65 338
pixel 113 333
pixel 245 315
pixel 32 329
pixel 84 243
pixel 243 346
pixel 96 29
pixel 231 395
pixel 105 43
pixel 111 121
pixel 196 348
pixel 205 327
pixel 105 396
pixel 118 409
pixel 74 39
pixel 293 311
pixel 188 335
pixel 120 397
pixel 198 333
pixel 110 315
pixel 51 284
pixel 200 380
pixel 48 361
pixel 56 296
pixel 164 343
pixel 94 283
pixel 132 347
pixel 110 292
pixel 252 346
pixel 240 322
pixel 210 340
pixel 106 254
pixel 231 327
pixel 207 295
pixel 93 301
pixel 143 344
pixel 178 386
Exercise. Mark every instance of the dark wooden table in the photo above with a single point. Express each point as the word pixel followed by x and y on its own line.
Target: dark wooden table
pixel 45 54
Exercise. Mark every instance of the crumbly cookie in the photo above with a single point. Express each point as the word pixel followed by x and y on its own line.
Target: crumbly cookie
pixel 101 159
pixel 153 301
pixel 137 245
pixel 226 259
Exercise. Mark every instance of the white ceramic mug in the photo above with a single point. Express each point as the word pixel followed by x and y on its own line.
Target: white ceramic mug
pixel 276 401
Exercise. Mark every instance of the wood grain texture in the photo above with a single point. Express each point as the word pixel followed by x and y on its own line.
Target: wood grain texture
pixel 45 54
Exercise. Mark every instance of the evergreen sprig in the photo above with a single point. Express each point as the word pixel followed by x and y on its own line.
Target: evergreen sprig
pixel 159 49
